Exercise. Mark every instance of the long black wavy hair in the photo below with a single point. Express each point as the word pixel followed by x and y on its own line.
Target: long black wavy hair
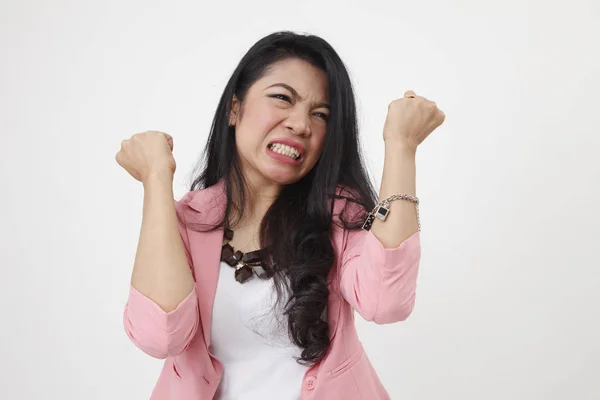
pixel 296 228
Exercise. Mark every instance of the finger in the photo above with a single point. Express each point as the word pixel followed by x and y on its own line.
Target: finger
pixel 442 115
pixel 169 140
pixel 120 159
pixel 410 94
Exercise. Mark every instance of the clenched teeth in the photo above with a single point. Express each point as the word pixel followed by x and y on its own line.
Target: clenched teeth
pixel 285 150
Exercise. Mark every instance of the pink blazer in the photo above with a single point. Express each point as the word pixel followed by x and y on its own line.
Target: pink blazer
pixel 378 283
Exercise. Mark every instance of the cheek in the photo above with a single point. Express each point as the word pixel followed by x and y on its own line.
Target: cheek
pixel 255 128
pixel 242 142
pixel 316 147
pixel 318 144
pixel 249 137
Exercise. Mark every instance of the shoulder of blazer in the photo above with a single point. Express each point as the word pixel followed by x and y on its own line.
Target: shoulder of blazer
pixel 203 206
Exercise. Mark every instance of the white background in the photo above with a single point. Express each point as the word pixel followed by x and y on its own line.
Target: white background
pixel 508 303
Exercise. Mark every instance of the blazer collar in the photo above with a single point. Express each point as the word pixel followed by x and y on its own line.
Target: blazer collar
pixel 209 203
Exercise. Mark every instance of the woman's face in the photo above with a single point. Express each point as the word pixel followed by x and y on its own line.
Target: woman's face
pixel 282 129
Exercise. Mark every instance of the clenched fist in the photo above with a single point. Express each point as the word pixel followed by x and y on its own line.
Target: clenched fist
pixel 411 119
pixel 146 153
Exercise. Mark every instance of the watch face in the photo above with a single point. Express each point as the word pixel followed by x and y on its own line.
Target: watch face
pixel 382 212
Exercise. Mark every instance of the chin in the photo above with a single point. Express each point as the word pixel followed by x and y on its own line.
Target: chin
pixel 281 177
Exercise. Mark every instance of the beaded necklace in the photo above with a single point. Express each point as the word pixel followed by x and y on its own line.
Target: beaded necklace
pixel 246 264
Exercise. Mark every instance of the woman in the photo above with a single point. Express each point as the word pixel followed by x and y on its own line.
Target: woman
pixel 247 285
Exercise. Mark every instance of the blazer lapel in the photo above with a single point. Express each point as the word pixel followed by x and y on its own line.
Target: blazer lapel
pixel 210 205
pixel 207 275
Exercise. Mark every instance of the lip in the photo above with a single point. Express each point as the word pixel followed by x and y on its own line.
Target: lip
pixel 291 143
pixel 284 159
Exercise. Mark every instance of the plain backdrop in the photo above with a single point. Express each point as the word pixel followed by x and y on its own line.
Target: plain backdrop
pixel 508 304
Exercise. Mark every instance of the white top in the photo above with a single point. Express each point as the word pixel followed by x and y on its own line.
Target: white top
pixel 251 340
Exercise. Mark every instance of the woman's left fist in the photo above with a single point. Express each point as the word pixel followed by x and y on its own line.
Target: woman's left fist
pixel 411 119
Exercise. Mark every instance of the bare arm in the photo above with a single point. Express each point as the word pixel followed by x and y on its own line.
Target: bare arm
pixel 161 270
pixel 398 177
pixel 409 121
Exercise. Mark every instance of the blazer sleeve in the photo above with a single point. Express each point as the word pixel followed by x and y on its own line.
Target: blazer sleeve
pixel 377 282
pixel 158 333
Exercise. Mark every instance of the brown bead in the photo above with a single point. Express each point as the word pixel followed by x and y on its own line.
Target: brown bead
pixel 252 256
pixel 226 252
pixel 259 271
pixel 243 273
pixel 235 258
pixel 252 263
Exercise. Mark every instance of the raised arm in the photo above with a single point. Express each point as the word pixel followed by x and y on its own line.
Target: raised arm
pixel 379 267
pixel 161 314
pixel 162 270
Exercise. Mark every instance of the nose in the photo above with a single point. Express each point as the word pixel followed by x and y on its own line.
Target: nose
pixel 299 124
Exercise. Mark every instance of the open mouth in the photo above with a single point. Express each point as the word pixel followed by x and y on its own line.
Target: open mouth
pixel 285 150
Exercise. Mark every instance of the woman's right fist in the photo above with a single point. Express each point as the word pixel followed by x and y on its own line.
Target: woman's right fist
pixel 146 153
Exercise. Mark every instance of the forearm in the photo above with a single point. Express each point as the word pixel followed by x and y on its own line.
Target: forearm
pixel 161 270
pixel 399 176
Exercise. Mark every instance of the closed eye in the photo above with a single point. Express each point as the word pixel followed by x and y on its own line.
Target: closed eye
pixel 281 97
pixel 324 116
pixel 285 98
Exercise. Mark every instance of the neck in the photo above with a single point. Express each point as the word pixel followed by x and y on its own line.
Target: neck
pixel 260 195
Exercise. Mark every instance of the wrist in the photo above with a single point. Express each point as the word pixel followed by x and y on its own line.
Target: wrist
pixel 400 146
pixel 158 176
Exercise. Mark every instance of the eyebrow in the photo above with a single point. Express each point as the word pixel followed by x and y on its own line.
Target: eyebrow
pixel 296 95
